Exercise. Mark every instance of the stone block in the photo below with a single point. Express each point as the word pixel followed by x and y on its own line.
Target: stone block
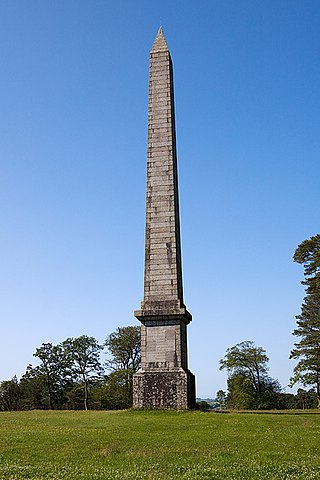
pixel 164 390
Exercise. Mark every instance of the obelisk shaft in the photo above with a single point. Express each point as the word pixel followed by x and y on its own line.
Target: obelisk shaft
pixel 163 277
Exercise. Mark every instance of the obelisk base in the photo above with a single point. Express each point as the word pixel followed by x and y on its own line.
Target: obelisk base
pixel 164 389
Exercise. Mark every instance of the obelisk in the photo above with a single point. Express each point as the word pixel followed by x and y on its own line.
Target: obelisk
pixel 163 380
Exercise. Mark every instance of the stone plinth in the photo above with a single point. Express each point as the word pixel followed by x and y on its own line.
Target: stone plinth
pixel 164 389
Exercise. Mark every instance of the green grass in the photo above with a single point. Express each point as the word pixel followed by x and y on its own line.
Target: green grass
pixel 153 445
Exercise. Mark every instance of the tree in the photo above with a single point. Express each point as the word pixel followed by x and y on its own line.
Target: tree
pixel 221 398
pixel 54 368
pixel 116 392
pixel 241 393
pixel 33 389
pixel 307 350
pixel 271 393
pixel 249 361
pixel 10 394
pixel 308 254
pixel 306 399
pixel 83 356
pixel 249 385
pixel 124 346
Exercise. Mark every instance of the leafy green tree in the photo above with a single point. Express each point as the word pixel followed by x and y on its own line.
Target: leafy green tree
pixel 124 346
pixel 285 401
pixel 33 389
pixel 241 393
pixel 247 360
pixel 54 368
pixel 221 398
pixel 10 398
pixel 116 392
pixel 307 350
pixel 271 392
pixel 83 357
pixel 74 396
pixel 306 399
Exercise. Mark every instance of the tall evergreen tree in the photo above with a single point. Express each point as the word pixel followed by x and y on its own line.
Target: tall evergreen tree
pixel 307 350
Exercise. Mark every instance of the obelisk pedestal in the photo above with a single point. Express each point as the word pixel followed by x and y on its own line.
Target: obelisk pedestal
pixel 163 380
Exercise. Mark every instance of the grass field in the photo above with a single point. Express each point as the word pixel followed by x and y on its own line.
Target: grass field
pixel 147 445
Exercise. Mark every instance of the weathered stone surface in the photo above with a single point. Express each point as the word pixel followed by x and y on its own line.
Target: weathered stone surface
pixel 164 389
pixel 164 380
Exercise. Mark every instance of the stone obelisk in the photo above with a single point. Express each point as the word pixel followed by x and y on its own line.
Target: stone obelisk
pixel 163 380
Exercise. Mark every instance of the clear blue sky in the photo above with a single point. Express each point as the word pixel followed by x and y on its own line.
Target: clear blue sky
pixel 73 123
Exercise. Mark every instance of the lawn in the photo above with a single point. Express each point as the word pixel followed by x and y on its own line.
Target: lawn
pixel 151 445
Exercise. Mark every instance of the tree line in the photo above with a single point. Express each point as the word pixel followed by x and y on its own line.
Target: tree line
pixel 71 375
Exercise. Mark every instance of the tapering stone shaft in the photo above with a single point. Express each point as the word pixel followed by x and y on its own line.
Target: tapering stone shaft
pixel 163 277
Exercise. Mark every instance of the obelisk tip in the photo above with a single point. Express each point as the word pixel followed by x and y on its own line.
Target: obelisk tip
pixel 160 44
